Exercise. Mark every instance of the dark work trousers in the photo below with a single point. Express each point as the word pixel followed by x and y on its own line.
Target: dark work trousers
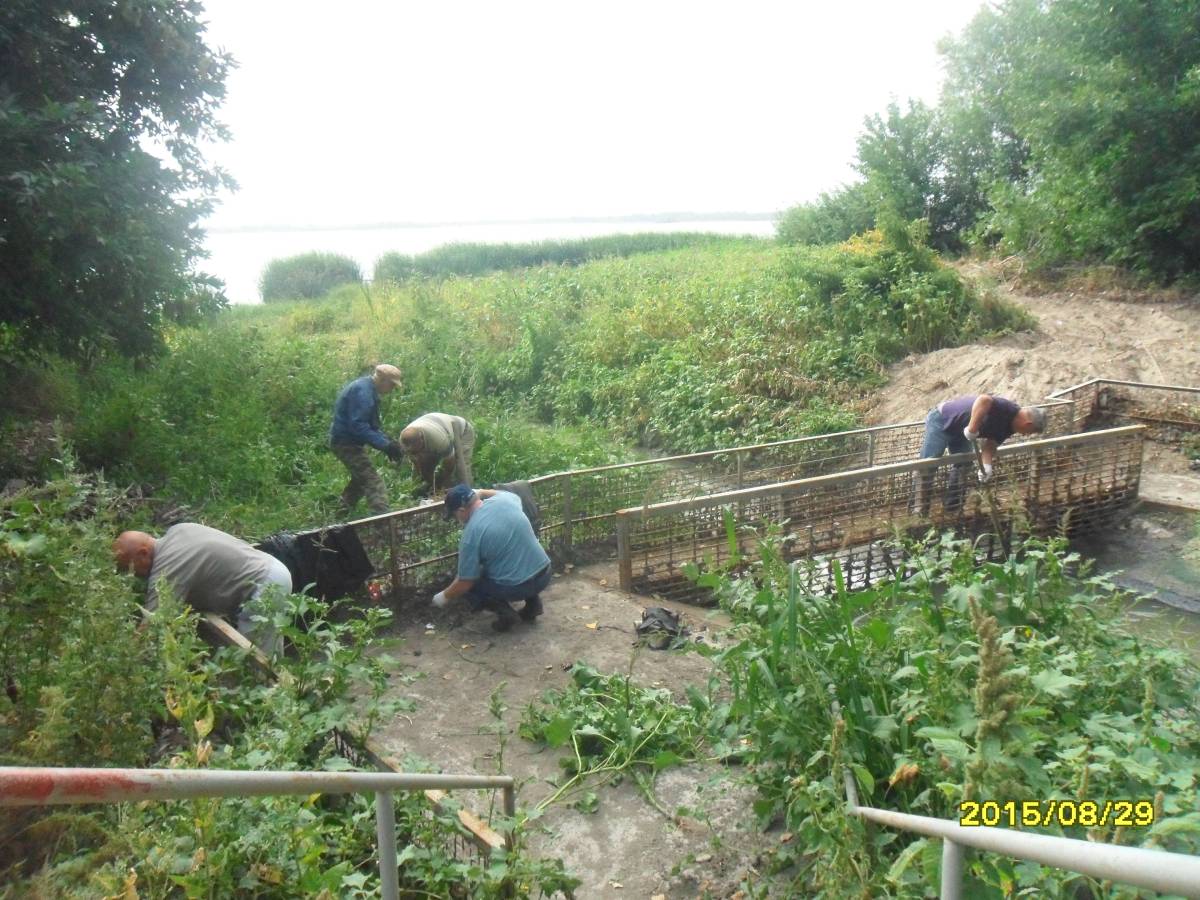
pixel 935 443
pixel 494 597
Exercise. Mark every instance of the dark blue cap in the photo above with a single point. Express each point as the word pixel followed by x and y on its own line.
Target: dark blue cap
pixel 457 497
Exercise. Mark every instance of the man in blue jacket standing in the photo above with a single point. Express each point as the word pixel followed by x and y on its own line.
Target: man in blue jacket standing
pixel 356 424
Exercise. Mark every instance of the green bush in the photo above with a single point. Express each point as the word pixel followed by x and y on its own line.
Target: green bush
pixel 963 681
pixel 831 219
pixel 306 276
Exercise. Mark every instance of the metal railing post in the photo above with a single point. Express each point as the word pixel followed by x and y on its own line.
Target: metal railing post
pixel 624 554
pixel 393 558
pixel 510 812
pixel 385 828
pixel 952 870
pixel 566 510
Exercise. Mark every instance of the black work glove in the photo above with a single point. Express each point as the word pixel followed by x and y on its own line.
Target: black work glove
pixel 394 451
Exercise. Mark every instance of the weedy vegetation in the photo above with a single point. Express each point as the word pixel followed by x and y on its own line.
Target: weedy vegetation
pixel 87 683
pixel 954 680
pixel 482 259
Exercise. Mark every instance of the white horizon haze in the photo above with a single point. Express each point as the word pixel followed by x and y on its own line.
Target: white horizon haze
pixel 369 112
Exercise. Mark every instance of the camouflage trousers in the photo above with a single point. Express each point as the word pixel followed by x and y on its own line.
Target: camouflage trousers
pixel 364 480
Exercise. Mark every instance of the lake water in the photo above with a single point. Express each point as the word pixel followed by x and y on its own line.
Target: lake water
pixel 238 258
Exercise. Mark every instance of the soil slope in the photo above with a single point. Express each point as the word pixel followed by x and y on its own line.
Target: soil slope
pixel 1080 334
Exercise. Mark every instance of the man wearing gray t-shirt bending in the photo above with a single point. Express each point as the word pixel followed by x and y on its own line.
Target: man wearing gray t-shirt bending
pixel 209 570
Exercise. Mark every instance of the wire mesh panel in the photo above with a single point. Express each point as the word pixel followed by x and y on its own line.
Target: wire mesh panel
pixel 414 551
pixel 1170 412
pixel 1067 484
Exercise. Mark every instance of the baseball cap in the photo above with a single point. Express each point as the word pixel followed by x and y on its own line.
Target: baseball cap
pixel 457 497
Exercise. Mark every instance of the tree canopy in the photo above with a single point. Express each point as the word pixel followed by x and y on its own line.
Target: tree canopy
pixel 1068 130
pixel 103 110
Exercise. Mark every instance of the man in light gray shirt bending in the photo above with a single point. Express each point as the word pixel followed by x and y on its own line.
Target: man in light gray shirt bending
pixel 440 447
pixel 209 570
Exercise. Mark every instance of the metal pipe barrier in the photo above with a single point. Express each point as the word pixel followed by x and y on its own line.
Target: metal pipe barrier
pixel 22 786
pixel 1158 870
pixel 1071 484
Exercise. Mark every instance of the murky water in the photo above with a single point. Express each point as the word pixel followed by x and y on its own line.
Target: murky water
pixel 1157 553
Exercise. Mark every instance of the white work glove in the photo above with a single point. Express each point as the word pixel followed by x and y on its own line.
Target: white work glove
pixel 440 599
pixel 985 474
pixel 969 434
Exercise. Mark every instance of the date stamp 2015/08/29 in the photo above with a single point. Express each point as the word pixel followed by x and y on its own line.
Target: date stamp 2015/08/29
pixel 1064 813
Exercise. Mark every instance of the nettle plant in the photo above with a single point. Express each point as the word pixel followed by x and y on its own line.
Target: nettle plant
pixel 956 680
pixel 953 680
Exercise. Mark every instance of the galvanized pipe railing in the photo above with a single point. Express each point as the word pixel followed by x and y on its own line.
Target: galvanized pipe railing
pixel 1157 870
pixel 25 786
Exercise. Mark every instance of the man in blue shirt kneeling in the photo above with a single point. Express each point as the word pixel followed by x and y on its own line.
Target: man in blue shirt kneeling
pixel 499 557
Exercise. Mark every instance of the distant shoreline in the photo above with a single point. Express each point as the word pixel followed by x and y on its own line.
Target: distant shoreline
pixel 378 226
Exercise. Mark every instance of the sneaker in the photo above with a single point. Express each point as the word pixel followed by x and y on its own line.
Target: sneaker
pixel 532 608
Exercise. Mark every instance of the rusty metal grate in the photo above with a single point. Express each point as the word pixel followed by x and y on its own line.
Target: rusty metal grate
pixel 415 550
pixel 1073 484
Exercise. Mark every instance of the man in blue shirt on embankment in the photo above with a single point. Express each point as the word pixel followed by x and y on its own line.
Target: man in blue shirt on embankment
pixel 499 557
pixel 356 424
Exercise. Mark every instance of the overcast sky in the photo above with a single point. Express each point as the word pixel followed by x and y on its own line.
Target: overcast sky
pixel 366 111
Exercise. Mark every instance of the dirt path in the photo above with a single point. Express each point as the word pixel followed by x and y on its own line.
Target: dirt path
pixel 1113 334
pixel 625 848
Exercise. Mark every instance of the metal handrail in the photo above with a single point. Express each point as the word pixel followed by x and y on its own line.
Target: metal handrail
pixel 47 786
pixel 1189 389
pixel 1157 870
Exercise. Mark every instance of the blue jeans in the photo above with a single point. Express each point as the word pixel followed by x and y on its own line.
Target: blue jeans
pixel 935 443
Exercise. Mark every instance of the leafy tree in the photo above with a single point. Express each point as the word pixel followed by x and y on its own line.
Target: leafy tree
pixel 103 107
pixel 1102 98
pixel 930 163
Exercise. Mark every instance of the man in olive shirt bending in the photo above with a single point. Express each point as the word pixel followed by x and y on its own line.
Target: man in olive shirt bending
pixel 440 447
pixel 499 557
pixel 209 570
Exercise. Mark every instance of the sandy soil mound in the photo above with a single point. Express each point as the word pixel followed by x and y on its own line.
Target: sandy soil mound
pixel 1080 335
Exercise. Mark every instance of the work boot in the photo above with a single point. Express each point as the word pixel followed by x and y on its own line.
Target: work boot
pixel 532 608
pixel 505 618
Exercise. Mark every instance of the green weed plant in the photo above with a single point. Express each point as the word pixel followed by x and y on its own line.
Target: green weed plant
pixel 956 680
pixel 87 682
